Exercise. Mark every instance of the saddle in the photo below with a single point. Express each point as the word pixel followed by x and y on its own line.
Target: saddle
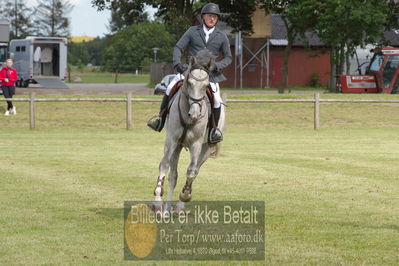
pixel 177 86
pixel 210 99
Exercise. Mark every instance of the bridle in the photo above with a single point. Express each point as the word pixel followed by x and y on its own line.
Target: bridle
pixel 190 74
pixel 191 100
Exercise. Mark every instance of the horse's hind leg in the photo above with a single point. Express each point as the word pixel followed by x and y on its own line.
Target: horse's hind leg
pixel 172 176
pixel 192 171
pixel 164 165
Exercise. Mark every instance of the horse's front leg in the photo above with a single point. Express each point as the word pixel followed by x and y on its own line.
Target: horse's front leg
pixel 170 147
pixel 172 177
pixel 192 171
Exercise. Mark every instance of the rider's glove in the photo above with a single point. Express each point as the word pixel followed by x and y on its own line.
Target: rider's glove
pixel 181 68
pixel 215 67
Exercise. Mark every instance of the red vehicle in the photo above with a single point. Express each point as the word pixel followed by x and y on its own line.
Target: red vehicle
pixel 381 75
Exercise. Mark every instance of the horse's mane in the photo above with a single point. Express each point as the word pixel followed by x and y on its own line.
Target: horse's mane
pixel 204 59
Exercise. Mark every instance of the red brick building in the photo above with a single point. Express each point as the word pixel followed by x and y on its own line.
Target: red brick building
pixel 309 57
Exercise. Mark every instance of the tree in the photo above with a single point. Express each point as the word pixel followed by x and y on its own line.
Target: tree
pixel 51 17
pixel 125 13
pixel 298 17
pixel 343 25
pixel 78 54
pixel 130 46
pixel 346 25
pixel 180 14
pixel 19 16
pixel 96 48
pixel 87 52
pixel 238 14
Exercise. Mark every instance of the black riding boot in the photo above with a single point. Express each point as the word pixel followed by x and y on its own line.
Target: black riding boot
pixel 158 123
pixel 215 135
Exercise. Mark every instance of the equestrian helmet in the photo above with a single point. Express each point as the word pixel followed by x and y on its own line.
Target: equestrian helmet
pixel 211 8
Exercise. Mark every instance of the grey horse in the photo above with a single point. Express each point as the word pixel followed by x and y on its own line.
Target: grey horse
pixel 186 126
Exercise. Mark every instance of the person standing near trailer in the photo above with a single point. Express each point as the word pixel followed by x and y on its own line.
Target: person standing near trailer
pixel 8 77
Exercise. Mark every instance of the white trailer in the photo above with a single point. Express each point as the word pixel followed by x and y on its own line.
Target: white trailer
pixel 4 39
pixel 40 60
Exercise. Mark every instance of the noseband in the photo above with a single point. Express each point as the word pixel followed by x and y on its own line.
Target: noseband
pixel 194 100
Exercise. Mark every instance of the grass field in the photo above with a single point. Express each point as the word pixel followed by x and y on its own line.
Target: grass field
pixel 105 77
pixel 287 90
pixel 332 196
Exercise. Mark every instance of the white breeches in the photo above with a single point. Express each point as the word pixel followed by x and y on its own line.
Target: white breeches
pixel 215 88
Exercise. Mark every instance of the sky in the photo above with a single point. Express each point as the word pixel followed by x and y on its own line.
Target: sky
pixel 86 20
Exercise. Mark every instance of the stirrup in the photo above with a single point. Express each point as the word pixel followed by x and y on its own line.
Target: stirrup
pixel 212 132
pixel 152 120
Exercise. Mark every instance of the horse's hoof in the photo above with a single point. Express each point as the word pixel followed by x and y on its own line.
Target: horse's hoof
pixel 179 211
pixel 166 214
pixel 185 197
pixel 157 207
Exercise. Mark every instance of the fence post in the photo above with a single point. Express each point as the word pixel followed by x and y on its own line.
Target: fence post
pixel 129 111
pixel 317 111
pixel 32 110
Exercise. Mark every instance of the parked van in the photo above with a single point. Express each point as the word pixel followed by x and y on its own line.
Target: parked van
pixel 40 60
pixel 4 39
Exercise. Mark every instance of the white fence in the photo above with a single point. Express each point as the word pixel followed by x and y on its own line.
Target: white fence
pixel 129 100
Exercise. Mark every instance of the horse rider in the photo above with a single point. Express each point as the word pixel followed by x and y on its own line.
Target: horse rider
pixel 196 38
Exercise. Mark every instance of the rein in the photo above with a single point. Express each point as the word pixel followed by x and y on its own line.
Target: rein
pixel 182 122
pixel 198 101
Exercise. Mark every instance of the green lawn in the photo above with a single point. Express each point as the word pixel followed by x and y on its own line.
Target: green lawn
pixel 292 89
pixel 331 196
pixel 105 77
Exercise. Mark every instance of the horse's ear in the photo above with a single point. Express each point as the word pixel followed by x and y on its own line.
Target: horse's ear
pixel 193 60
pixel 211 65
